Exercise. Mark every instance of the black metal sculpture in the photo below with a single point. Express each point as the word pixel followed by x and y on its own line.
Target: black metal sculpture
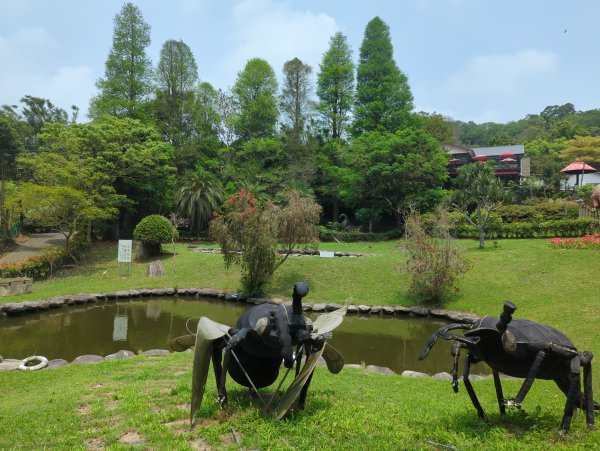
pixel 264 336
pixel 525 349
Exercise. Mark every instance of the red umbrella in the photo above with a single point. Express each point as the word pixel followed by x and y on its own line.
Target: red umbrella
pixel 578 167
pixel 479 158
pixel 454 160
pixel 507 155
pixel 507 160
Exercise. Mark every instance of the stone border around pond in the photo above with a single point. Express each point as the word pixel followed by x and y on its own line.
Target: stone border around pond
pixel 20 308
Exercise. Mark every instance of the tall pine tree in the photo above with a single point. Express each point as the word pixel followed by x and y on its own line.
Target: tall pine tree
pixel 127 82
pixel 383 98
pixel 335 86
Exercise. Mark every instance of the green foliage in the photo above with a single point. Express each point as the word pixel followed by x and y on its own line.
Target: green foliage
pixel 176 76
pixel 154 229
pixel 533 229
pixel 383 96
pixel 335 86
pixel 251 232
pixel 254 94
pixel 199 195
pixel 36 267
pixel 546 210
pixel 333 235
pixel 583 148
pixel 438 127
pixel 9 149
pixel 478 189
pixel 127 82
pixel 433 261
pixel 394 170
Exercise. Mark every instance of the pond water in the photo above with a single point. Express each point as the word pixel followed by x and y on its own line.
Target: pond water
pixel 140 325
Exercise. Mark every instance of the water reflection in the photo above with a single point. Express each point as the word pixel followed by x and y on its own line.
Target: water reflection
pixel 109 327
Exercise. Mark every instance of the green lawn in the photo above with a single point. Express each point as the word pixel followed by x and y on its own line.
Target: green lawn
pixel 95 405
pixel 147 400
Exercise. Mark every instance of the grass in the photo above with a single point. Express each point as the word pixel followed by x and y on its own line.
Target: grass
pixel 149 397
pixel 144 402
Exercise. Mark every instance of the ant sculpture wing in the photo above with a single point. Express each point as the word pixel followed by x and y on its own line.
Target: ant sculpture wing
pixel 207 332
pixel 322 326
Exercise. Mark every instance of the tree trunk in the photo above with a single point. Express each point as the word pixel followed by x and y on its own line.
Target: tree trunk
pixel 480 228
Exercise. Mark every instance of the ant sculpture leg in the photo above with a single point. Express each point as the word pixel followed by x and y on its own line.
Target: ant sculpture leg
pixel 531 375
pixel 220 370
pixel 572 395
pixel 455 351
pixel 469 387
pixel 499 393
pixel 586 361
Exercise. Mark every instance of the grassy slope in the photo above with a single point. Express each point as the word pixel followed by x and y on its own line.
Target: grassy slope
pixel 99 403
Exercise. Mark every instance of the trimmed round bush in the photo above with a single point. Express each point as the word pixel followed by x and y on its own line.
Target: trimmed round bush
pixel 152 231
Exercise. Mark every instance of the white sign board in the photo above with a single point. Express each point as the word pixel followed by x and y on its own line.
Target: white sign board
pixel 326 254
pixel 124 251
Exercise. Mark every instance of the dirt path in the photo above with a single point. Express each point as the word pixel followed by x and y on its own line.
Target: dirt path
pixel 33 246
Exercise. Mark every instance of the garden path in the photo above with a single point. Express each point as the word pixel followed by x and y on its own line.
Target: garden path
pixel 33 246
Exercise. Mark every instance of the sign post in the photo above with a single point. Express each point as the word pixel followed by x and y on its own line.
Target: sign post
pixel 124 255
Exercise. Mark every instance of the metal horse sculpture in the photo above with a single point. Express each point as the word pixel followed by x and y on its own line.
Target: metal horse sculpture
pixel 252 352
pixel 525 349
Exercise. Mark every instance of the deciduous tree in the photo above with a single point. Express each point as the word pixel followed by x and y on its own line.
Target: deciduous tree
pixel 254 94
pixel 127 82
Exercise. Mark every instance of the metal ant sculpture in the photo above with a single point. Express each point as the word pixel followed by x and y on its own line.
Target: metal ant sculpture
pixel 526 349
pixel 264 336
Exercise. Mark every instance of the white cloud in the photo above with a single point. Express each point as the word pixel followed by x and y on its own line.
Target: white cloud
pixel 28 55
pixel 276 32
pixel 501 74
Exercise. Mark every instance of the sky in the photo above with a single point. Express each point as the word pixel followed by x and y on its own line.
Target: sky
pixel 472 60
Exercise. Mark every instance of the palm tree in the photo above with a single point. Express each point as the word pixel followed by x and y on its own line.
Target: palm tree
pixel 200 194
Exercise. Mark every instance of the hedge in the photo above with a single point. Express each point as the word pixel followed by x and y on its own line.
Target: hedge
pixel 545 229
pixel 36 267
pixel 328 235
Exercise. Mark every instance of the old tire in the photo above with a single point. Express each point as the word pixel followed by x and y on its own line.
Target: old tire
pixel 26 364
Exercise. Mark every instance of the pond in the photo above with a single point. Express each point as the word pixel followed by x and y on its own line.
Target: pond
pixel 108 327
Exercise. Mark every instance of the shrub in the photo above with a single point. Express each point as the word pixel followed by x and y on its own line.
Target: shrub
pixel 250 233
pixel 544 229
pixel 586 242
pixel 36 267
pixel 152 231
pixel 433 261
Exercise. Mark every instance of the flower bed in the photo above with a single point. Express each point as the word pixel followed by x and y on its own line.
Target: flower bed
pixel 585 242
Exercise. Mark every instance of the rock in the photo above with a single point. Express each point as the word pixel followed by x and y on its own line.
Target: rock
pixel 57 363
pixel 145 292
pixel 15 308
pixel 438 312
pixel 476 377
pixel 443 376
pixel 307 307
pixel 9 364
pixel 88 358
pixel 155 352
pixel 233 297
pixel 157 292
pixel 388 310
pixel 320 307
pixel 31 306
pixel 379 369
pixel 122 294
pixel 401 309
pixel 364 308
pixel 462 317
pixel 84 298
pixel 155 269
pixel 56 302
pixel 120 355
pixel 134 293
pixel 376 309
pixel 352 309
pixel 419 311
pixel 355 366
pixel 415 374
pixel 207 292
pixel 331 306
